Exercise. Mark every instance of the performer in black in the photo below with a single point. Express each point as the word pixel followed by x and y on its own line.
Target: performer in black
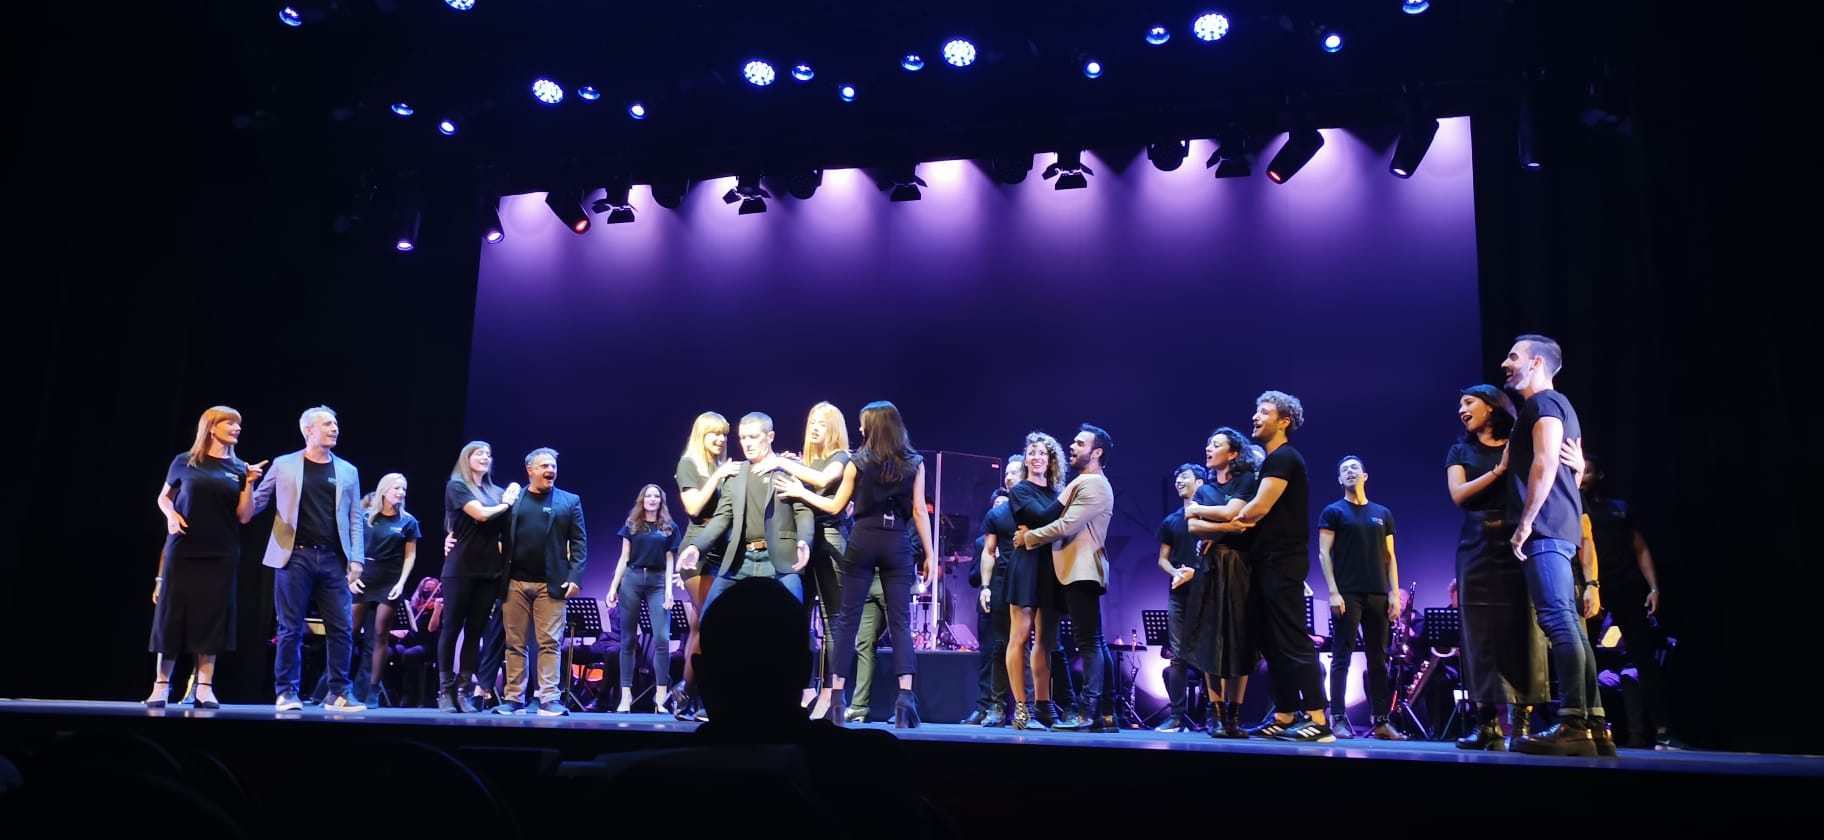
pixel 1503 649
pixel 1355 548
pixel 1223 642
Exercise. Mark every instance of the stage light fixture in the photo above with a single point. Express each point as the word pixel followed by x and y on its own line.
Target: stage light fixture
pixel 803 183
pixel 1010 169
pixel 846 93
pixel 1230 158
pixel 447 126
pixel 1210 26
pixel 1168 155
pixel 1092 68
pixel 460 5
pixel 758 73
pixel 1527 136
pixel 567 205
pixel 1158 35
pixel 749 193
pixel 669 192
pixel 547 91
pixel 1415 7
pixel 1415 141
pixel 1069 170
pixel 589 93
pixel 959 53
pixel 492 232
pixel 290 17
pixel 636 111
pixel 615 202
pixel 913 62
pixel 1301 145
pixel 406 217
pixel 1332 42
pixel 803 73
pixel 403 109
pixel 903 182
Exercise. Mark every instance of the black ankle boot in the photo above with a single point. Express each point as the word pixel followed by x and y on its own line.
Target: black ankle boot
pixel 1231 722
pixel 905 710
pixel 1068 717
pixel 1519 725
pixel 448 698
pixel 1486 735
pixel 1045 713
pixel 1569 736
pixel 1023 719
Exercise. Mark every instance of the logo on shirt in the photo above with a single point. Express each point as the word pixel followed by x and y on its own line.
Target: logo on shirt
pixel 332 479
pixel 1378 522
pixel 547 508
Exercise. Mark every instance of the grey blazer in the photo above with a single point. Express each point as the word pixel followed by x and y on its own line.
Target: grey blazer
pixel 786 523
pixel 286 479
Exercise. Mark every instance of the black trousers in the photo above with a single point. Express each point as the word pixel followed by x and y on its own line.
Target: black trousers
pixel 1367 611
pixel 1083 600
pixel 467 602
pixel 1278 609
pixel 1626 603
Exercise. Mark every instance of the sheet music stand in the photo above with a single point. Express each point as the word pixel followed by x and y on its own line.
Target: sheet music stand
pixel 1443 631
pixel 582 620
pixel 1156 624
pixel 1443 627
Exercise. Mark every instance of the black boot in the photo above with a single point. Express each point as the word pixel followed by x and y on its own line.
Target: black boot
pixel 1069 718
pixel 1519 724
pixel 1605 741
pixel 448 696
pixel 1023 719
pixel 1339 725
pixel 1486 735
pixel 1231 722
pixel 905 710
pixel 1045 714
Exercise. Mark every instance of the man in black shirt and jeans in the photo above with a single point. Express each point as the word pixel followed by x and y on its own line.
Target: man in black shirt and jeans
pixel 1355 549
pixel 1548 516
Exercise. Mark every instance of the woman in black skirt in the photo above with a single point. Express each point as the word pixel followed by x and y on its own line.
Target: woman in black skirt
pixel 206 498
pixel 1220 644
pixel 1503 649
pixel 392 550
pixel 1034 595
pixel 701 470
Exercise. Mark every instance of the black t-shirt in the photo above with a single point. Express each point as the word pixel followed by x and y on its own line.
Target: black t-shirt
pixel 1241 485
pixel 531 523
pixel 647 548
pixel 1175 532
pixel 690 478
pixel 1285 532
pixel 759 498
pixel 386 538
pixel 1478 459
pixel 875 496
pixel 1032 506
pixel 1561 518
pixel 1358 554
pixel 836 519
pixel 207 495
pixel 1612 529
pixel 999 522
pixel 317 506
pixel 477 550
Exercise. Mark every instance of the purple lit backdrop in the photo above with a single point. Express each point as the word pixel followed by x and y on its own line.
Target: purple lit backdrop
pixel 1156 304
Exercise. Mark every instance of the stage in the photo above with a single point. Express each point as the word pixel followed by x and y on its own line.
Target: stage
pixel 248 759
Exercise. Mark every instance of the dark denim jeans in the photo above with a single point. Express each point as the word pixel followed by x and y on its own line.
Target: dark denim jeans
pixel 1553 587
pixel 318 574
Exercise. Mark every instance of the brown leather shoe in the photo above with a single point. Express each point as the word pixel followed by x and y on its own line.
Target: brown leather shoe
pixel 1384 731
pixel 1567 737
pixel 1604 740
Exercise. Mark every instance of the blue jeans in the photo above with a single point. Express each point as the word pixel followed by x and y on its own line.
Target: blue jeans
pixel 322 575
pixel 646 585
pixel 753 564
pixel 1553 588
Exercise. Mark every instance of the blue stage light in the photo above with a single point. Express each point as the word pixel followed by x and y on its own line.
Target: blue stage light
pixel 758 73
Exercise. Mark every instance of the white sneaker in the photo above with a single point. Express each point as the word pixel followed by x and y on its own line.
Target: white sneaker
pixel 288 702
pixel 344 703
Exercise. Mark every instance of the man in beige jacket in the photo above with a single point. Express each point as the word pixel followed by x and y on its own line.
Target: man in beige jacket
pixel 1081 559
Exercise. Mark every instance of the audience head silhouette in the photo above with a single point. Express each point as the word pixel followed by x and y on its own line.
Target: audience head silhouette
pixel 756 655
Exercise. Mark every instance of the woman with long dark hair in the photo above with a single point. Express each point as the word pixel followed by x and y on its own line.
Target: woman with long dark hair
pixel 1221 646
pixel 1503 649
pixel 886 480
pixel 472 508
pixel 826 454
pixel 701 470
pixel 649 555
pixel 206 498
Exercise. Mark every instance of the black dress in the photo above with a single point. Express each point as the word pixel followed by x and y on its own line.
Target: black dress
pixel 1218 642
pixel 1032 580
pixel 1503 649
pixel 195 612
pixel 386 537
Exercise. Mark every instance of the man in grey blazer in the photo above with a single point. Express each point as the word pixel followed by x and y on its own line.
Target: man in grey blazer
pixel 763 529
pixel 546 546
pixel 316 549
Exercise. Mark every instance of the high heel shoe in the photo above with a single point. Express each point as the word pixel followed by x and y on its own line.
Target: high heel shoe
pixel 659 705
pixel 159 702
pixel 200 703
pixel 905 710
pixel 1022 717
pixel 821 708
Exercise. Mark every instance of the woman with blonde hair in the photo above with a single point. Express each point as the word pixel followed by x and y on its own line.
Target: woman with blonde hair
pixel 826 453
pixel 701 471
pixel 392 550
pixel 649 556
pixel 206 498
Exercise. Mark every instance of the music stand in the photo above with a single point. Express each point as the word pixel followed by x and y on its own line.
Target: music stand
pixel 582 619
pixel 1443 627
pixel 1443 630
